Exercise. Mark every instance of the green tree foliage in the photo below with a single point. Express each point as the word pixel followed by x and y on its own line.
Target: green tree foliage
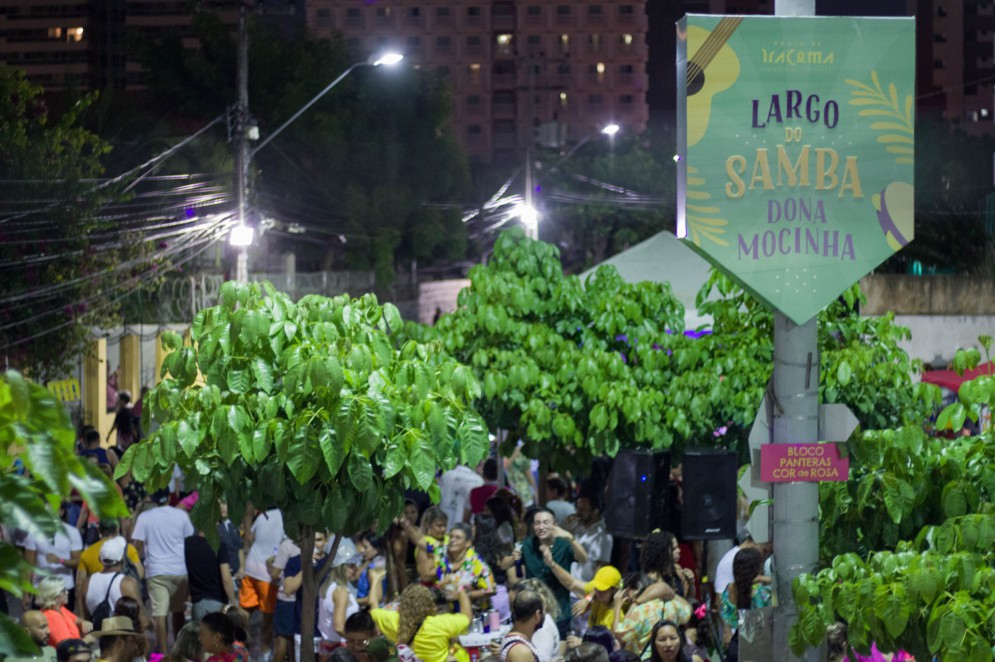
pixel 50 268
pixel 579 370
pixel 38 469
pixel 307 407
pixel 363 171
pixel 930 500
pixel 575 370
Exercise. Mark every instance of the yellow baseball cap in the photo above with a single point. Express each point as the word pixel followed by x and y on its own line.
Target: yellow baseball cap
pixel 605 578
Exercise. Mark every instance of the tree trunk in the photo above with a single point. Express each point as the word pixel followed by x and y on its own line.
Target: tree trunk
pixel 309 591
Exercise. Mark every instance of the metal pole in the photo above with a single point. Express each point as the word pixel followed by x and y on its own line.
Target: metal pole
pixel 241 140
pixel 796 505
pixel 796 420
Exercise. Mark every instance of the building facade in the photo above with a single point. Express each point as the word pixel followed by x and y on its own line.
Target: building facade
pixel 519 70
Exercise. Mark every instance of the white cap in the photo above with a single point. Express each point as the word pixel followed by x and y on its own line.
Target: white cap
pixel 112 551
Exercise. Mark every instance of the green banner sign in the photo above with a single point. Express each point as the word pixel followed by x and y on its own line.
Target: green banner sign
pixel 796 146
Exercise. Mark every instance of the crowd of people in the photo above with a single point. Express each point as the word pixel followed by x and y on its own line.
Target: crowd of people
pixel 486 573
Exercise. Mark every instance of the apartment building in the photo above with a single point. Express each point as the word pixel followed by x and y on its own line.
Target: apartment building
pixel 519 69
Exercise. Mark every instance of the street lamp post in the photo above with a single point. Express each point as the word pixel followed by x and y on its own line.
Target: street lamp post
pixel 527 212
pixel 242 234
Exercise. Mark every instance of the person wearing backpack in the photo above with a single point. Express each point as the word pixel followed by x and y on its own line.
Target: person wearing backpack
pixel 105 588
pixel 89 561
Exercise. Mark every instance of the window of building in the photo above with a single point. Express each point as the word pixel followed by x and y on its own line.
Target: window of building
pixel 504 98
pixel 55 33
pixel 504 10
pixel 564 68
pixel 504 126
pixel 474 130
pixel 533 11
pixel 383 12
pixel 414 12
pixel 443 42
pixel 534 40
pixel 626 69
pixel 442 12
pixel 473 100
pixel 626 99
pixel 354 44
pixel 594 10
pixel 443 70
pixel 565 41
pixel 503 68
pixel 414 43
pixel 503 44
pixel 323 16
pixel 351 13
pixel 594 99
pixel 473 12
pixel 562 10
pixel 473 40
pixel 626 10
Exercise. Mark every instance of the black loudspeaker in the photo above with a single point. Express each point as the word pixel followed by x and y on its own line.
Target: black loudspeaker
pixel 709 511
pixel 637 494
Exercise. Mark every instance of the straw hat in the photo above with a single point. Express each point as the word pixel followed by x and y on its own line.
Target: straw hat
pixel 114 626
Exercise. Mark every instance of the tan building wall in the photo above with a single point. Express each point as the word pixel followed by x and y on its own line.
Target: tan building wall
pixel 928 295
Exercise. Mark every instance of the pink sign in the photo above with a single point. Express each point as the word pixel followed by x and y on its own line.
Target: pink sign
pixel 802 463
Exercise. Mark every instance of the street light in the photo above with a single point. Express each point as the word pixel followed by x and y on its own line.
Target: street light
pixel 242 234
pixel 608 130
pixel 385 59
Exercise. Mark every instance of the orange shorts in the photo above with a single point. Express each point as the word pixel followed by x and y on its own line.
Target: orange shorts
pixel 257 594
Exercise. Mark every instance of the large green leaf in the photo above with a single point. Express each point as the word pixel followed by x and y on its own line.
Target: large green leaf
pixel 360 472
pixel 332 449
pixel 892 607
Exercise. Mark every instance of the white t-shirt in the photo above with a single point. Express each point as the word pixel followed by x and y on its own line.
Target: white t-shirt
pixel 455 486
pixel 547 640
pixel 287 550
pixel 267 532
pixel 62 546
pixel 326 613
pixel 163 530
pixel 96 589
pixel 598 543
pixel 723 571
pixel 561 509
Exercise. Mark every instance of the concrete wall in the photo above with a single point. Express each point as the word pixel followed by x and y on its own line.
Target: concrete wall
pixel 438 295
pixel 944 313
pixel 928 295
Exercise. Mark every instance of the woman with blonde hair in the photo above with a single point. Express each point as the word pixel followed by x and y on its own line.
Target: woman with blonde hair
pixel 337 597
pixel 416 627
pixel 62 623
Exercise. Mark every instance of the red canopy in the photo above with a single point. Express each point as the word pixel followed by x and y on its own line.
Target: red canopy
pixel 951 380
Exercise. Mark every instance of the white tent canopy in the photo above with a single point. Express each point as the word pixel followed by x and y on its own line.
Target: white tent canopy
pixel 663 258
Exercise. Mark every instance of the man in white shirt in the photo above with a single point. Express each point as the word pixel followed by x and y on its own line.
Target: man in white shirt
pixel 58 556
pixel 556 499
pixel 455 486
pixel 159 534
pixel 263 536
pixel 588 527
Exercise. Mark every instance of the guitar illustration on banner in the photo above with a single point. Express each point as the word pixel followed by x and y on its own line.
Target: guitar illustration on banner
pixel 722 65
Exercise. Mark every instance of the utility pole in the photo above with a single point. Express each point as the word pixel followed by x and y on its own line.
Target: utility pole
pixel 241 142
pixel 796 420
